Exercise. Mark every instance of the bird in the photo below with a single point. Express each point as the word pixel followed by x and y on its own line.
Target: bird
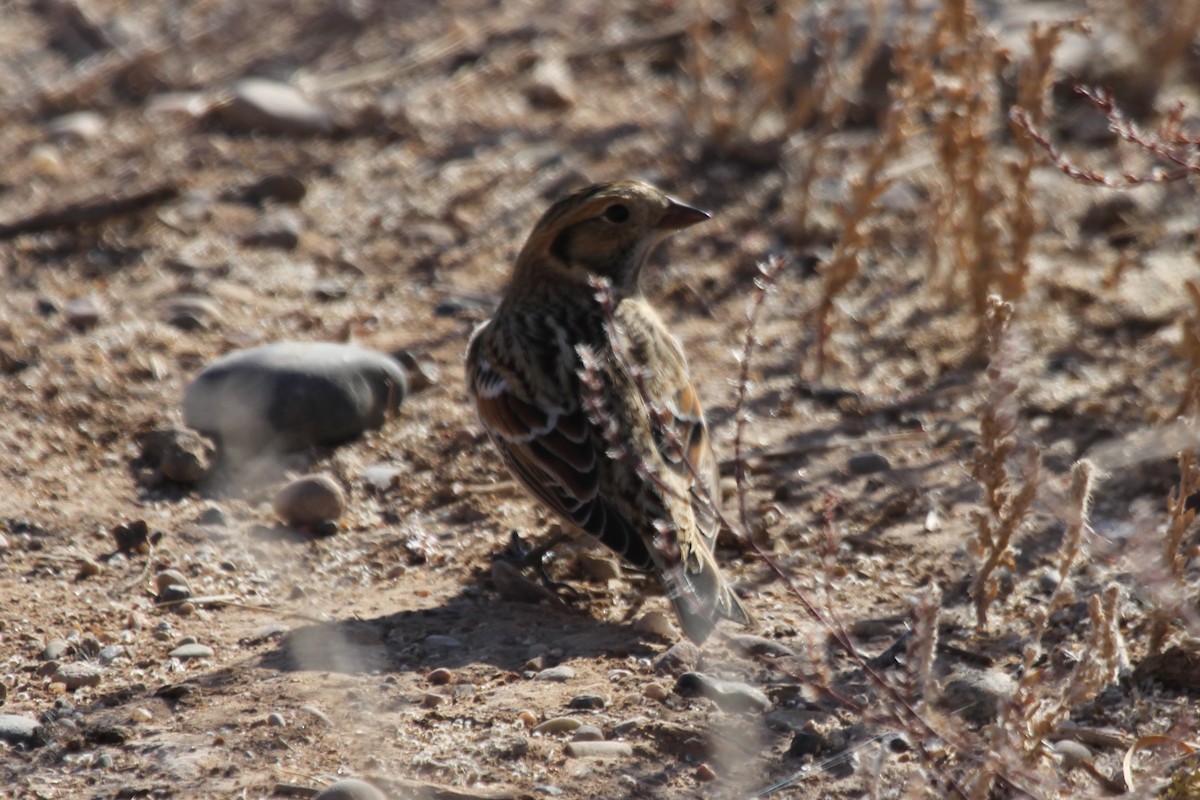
pixel 587 397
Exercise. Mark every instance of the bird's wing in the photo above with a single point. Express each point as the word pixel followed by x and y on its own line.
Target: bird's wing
pixel 552 451
pixel 686 447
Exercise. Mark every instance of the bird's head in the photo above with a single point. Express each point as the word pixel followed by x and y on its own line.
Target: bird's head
pixel 606 230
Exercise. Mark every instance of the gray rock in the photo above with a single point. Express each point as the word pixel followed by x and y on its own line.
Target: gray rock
pixel 18 730
pixel 975 695
pixel 588 733
pixel 680 657
pixel 83 313
pixel 183 455
pixel 276 720
pixel 867 463
pixel 169 577
pixel 730 696
pixel 558 725
pixel 54 649
pixel 599 749
pixel 557 674
pixel 351 789
pixel 111 653
pixel 76 676
pixel 442 641
pixel 260 104
pixel 310 500
pixel 191 312
pixel 291 395
pixel 187 652
pixel 279 230
pixel 587 702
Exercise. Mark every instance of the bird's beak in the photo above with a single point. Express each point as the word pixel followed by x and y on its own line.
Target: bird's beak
pixel 679 216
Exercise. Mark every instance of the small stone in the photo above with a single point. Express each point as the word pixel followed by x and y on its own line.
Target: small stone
pixel 351 789
pixel 628 726
pixel 104 761
pixel 141 714
pixel 279 188
pixel 76 676
pixel 558 674
pixel 656 692
pixel 167 578
pixel 587 702
pixel 588 733
pixel 276 720
pixel 279 230
pixel 83 313
pixel 557 725
pixel 551 85
pixel 266 633
pixel 655 623
pixel 598 750
pixel 679 658
pixel 440 676
pixel 527 718
pixel 975 695
pixel 730 696
pixel 1049 579
pixel 191 312
pixel 749 644
pixel 76 127
pixel 705 773
pixel 187 652
pixel 548 789
pixel 309 500
pixel 132 537
pixel 183 455
pixel 260 104
pixel 1072 754
pixel 381 477
pixel 54 649
pixel 111 653
pixel 87 569
pixel 422 372
pixel 867 463
pixel 432 700
pixel 597 567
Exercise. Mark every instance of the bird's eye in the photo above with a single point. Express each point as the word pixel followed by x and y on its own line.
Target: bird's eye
pixel 616 213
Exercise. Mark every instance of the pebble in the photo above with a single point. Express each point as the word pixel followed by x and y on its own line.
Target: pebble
pixel 749 644
pixel 730 696
pixel 310 500
pixel 350 789
pixel 111 653
pixel 656 692
pixel 551 85
pixel 655 623
pixel 132 537
pixel 83 313
pixel 598 749
pixel 867 463
pixel 276 720
pixel 432 699
pixel 269 106
pixel 18 730
pixel 78 126
pixel 422 372
pixel 975 695
pixel 528 718
pixel 1049 579
pixel 678 658
pixel 597 567
pixel 168 578
pixel 191 312
pixel 628 726
pixel 76 676
pixel 291 395
pixel 87 569
pixel 278 230
pixel 440 676
pixel 183 455
pixel 557 725
pixel 549 790
pixel 1072 753
pixel 189 651
pixel 104 761
pixel 141 714
pixel 54 649
pixel 381 477
pixel 279 188
pixel 559 674
pixel 588 733
pixel 274 630
pixel 587 702
pixel 705 773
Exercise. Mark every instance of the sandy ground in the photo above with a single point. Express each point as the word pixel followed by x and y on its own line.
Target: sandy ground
pixel 327 650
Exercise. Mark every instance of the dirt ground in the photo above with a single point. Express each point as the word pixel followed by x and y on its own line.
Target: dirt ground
pixel 450 128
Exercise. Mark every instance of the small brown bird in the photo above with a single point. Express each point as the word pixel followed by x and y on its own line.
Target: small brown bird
pixel 618 448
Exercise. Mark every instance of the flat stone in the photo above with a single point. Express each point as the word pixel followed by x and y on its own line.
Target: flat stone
pixel 730 696
pixel 54 649
pixel 351 789
pixel 186 652
pixel 599 750
pixel 291 395
pixel 678 658
pixel 867 463
pixel 558 725
pixel 588 733
pixel 183 455
pixel 261 104
pixel 558 674
pixel 76 676
pixel 975 695
pixel 78 126
pixel 18 730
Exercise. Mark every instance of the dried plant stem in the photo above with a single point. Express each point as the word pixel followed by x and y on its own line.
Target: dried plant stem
pixel 1174 557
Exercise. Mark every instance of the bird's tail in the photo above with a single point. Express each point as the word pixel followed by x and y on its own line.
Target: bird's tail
pixel 700 595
